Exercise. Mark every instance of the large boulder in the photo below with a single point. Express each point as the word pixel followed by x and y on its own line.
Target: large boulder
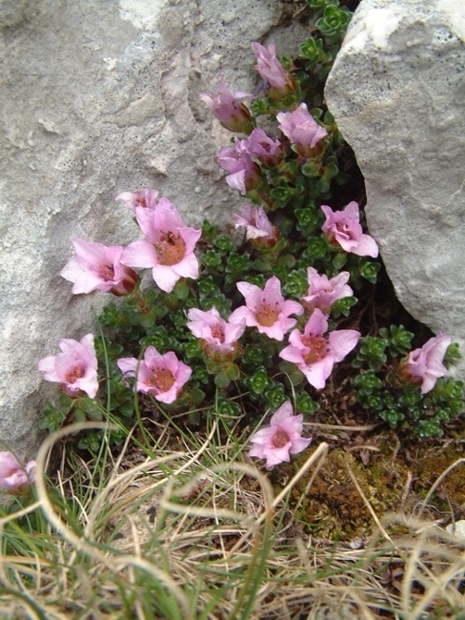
pixel 98 98
pixel 397 91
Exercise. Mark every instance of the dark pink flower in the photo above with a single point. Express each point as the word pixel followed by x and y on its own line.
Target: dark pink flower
pixel 75 368
pixel 228 108
pixel 257 225
pixel 343 228
pixel 301 129
pixel 425 365
pixel 266 309
pixel 313 353
pixel 168 246
pixel 14 477
pixel 146 198
pixel 217 334
pixel 324 292
pixel 264 148
pixel 244 174
pixel 281 438
pixel 271 70
pixel 162 376
pixel 97 266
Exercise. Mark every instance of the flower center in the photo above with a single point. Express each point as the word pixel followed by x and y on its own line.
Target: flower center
pixel 106 272
pixel 141 201
pixel 171 249
pixel 218 332
pixel 268 315
pixel 318 348
pixel 73 375
pixel 280 439
pixel 344 229
pixel 161 378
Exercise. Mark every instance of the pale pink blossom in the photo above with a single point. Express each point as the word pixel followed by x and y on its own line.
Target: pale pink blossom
pixel 162 376
pixel 260 145
pixel 281 438
pixel 75 368
pixel 228 108
pixel 425 365
pixel 257 224
pixel 14 477
pixel 168 246
pixel 244 174
pixel 146 198
pixel 266 309
pixel 97 266
pixel 270 69
pixel 217 334
pixel 315 354
pixel 343 228
pixel 324 292
pixel 301 129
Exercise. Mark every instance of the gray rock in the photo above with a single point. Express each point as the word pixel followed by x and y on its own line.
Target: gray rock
pixel 98 98
pixel 397 91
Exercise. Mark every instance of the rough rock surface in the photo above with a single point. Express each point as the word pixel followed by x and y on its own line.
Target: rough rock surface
pixel 97 98
pixel 397 91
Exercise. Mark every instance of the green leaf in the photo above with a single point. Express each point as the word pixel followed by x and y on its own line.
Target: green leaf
pixel 222 380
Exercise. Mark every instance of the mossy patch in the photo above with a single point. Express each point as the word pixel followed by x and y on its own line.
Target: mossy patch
pixel 392 481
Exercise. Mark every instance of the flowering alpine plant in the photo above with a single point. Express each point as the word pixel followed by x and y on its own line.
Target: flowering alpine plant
pixel 271 70
pixel 75 368
pixel 257 225
pixel 97 266
pixel 168 246
pixel 216 334
pixel 162 376
pixel 260 145
pixel 343 228
pixel 315 354
pixel 324 292
pixel 146 198
pixel 244 174
pixel 229 109
pixel 14 477
pixel 425 365
pixel 266 309
pixel 301 129
pixel 281 438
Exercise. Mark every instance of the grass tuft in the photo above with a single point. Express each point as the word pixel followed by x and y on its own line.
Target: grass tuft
pixel 200 533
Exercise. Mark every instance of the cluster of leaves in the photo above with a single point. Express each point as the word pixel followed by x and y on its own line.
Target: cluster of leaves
pixel 256 379
pixel 400 404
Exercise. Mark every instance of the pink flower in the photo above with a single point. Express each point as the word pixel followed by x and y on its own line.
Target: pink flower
pixel 257 225
pixel 266 309
pixel 425 365
pixel 217 334
pixel 168 246
pixel 314 354
pixel 323 292
pixel 283 437
pixel 97 266
pixel 15 478
pixel 343 228
pixel 302 129
pixel 228 108
pixel 244 174
pixel 270 69
pixel 267 150
pixel 146 198
pixel 75 368
pixel 162 376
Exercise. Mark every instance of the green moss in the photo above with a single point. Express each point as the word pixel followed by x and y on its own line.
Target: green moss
pixel 333 506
